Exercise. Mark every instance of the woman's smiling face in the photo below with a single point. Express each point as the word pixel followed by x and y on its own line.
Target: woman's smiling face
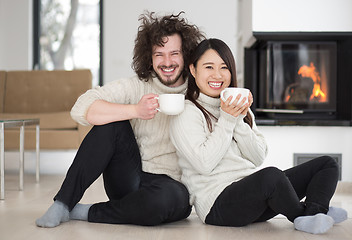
pixel 211 73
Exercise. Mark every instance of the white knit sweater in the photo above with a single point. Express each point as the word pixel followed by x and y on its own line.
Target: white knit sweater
pixel 211 161
pixel 157 152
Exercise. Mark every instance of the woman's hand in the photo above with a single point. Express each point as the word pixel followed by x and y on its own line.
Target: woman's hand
pixel 250 101
pixel 237 108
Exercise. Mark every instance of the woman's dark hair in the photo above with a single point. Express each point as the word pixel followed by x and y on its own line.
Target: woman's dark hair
pixel 225 53
pixel 152 31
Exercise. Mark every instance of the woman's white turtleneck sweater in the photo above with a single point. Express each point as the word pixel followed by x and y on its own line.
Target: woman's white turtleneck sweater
pixel 211 161
pixel 157 152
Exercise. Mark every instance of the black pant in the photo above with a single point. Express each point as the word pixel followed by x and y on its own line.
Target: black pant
pixel 270 191
pixel 135 197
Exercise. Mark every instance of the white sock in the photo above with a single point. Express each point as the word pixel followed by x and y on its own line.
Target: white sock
pixel 317 224
pixel 338 214
pixel 80 212
pixel 56 214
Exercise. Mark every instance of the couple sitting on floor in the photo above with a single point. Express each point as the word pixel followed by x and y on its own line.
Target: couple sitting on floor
pixel 156 167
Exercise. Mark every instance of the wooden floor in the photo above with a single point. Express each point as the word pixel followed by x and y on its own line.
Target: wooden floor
pixel 20 209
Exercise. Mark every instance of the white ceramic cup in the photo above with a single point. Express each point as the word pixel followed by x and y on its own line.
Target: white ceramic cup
pixel 234 91
pixel 171 104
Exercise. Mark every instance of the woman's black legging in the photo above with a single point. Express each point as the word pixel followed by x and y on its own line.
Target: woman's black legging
pixel 270 191
pixel 135 197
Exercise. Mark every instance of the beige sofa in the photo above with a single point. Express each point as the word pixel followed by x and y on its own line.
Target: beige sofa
pixel 49 96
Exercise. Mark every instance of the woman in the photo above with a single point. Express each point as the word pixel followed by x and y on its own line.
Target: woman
pixel 219 148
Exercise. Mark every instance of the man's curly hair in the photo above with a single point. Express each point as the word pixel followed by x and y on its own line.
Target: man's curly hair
pixel 152 31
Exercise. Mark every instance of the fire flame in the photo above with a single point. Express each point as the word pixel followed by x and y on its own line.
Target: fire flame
pixel 310 72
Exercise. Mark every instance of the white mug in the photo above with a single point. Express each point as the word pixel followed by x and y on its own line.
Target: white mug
pixel 234 91
pixel 171 104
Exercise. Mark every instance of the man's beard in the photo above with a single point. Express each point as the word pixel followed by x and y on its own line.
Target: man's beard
pixel 169 81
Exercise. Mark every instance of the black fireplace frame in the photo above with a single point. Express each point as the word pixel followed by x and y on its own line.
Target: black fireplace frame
pixel 343 114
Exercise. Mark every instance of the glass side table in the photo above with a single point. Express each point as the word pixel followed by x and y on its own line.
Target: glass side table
pixel 21 123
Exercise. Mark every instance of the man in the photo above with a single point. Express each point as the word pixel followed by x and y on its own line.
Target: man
pixel 129 143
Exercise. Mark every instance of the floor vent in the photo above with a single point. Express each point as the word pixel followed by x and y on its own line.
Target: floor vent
pixel 299 158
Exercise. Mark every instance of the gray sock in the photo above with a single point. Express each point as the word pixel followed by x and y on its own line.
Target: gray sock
pixel 80 212
pixel 338 214
pixel 316 224
pixel 56 214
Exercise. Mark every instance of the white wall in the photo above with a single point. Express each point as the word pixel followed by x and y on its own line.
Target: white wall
pixel 302 15
pixel 284 141
pixel 16 34
pixel 297 16
pixel 2 38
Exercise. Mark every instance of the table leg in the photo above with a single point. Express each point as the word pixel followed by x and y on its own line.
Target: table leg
pixel 21 156
pixel 2 162
pixel 37 145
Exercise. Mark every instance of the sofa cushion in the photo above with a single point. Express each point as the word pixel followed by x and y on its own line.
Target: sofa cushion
pixel 44 91
pixel 57 120
pixel 64 139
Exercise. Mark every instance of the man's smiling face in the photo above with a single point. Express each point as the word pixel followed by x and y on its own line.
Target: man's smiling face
pixel 168 61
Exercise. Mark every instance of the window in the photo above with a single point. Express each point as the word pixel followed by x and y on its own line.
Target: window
pixel 68 35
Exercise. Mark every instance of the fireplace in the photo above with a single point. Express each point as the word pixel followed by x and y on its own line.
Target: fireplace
pixel 300 78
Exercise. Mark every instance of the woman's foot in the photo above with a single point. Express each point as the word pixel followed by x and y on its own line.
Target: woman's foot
pixel 338 214
pixel 316 224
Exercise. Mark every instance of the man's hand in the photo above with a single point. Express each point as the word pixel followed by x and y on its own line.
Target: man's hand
pixel 146 107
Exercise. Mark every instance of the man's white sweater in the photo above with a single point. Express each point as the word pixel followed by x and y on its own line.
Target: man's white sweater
pixel 211 161
pixel 157 152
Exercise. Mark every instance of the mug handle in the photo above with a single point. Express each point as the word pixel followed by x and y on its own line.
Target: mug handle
pixel 158 109
pixel 222 95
